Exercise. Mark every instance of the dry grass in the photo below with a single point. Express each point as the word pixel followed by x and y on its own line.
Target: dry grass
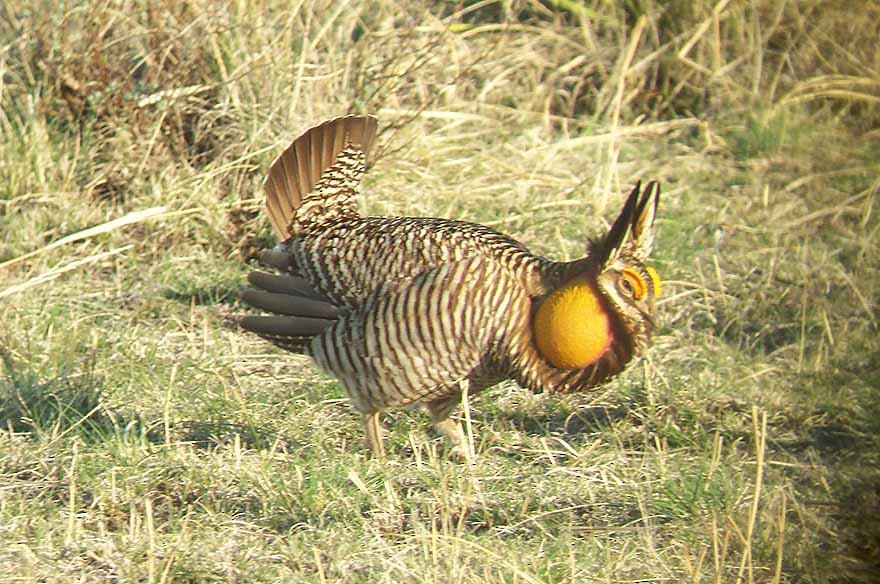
pixel 145 438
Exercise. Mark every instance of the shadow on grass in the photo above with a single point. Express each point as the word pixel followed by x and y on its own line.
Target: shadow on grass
pixel 859 501
pixel 563 422
pixel 204 295
pixel 209 434
pixel 32 403
pixel 576 415
pixel 846 431
pixel 72 402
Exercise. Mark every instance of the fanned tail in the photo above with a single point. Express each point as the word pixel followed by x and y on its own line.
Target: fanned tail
pixel 313 165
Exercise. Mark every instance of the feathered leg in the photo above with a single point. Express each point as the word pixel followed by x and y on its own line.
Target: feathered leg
pixel 449 428
pixel 373 427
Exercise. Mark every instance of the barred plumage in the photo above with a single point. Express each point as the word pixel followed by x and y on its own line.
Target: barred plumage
pixel 407 310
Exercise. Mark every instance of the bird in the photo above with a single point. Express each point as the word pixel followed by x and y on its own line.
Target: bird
pixel 418 311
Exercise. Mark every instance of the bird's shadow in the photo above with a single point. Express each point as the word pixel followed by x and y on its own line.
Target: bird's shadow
pixel 203 295
pixel 562 422
pixel 74 402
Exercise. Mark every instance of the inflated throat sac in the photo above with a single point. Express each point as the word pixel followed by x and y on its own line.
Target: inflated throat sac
pixel 572 328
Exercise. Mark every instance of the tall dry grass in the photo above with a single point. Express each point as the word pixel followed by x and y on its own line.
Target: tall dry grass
pixel 144 438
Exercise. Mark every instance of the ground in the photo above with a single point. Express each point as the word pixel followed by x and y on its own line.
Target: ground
pixel 143 437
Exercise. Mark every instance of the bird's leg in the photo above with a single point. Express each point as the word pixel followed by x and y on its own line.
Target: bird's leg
pixel 373 426
pixel 449 428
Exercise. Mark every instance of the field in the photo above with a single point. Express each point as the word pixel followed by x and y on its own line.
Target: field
pixel 144 438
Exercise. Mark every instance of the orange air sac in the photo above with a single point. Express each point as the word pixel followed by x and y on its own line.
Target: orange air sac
pixel 571 327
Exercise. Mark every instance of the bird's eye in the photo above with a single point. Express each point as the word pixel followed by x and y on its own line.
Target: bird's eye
pixel 632 284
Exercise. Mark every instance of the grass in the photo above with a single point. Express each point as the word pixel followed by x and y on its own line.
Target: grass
pixel 144 438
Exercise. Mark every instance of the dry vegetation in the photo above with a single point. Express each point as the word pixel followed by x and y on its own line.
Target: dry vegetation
pixel 144 438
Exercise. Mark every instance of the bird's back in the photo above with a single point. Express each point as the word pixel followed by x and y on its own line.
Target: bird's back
pixel 347 259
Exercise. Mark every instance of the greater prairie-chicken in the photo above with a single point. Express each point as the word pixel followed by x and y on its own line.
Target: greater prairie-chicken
pixel 412 310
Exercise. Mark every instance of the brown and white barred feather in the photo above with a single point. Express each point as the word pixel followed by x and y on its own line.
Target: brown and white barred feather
pixel 415 340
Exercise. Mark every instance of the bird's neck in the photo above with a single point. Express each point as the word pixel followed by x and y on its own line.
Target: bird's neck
pixel 572 328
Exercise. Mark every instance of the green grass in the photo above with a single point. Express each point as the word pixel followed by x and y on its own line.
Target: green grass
pixel 144 438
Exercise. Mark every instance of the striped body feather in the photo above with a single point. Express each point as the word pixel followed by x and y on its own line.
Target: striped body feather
pixel 412 305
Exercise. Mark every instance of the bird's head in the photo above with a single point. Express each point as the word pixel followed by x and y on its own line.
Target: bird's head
pixel 613 301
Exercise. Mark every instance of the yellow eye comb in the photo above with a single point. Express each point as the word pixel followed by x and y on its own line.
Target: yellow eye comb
pixel 655 278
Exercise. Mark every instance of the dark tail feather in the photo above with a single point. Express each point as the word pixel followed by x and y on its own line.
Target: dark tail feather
pixel 293 333
pixel 299 345
pixel 285 284
pixel 297 312
pixel 284 326
pixel 289 304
